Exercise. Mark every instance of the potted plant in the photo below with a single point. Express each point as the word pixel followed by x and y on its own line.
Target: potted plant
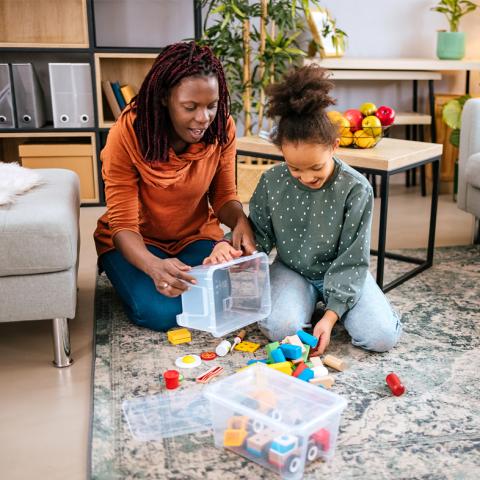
pixel 451 44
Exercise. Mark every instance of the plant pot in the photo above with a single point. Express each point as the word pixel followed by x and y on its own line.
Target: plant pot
pixel 450 45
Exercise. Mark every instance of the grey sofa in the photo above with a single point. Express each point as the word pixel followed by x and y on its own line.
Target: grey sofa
pixel 39 243
pixel 468 197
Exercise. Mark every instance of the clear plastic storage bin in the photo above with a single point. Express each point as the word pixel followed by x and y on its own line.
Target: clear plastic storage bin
pixel 275 420
pixel 227 296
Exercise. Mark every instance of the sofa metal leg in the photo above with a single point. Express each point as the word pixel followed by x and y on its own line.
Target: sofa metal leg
pixel 61 343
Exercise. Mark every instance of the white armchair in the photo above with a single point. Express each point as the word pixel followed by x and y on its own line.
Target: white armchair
pixel 468 197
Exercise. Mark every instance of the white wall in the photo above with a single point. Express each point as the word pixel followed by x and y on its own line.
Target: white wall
pixel 396 29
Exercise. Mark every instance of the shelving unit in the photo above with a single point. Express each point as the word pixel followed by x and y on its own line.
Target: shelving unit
pixel 43 31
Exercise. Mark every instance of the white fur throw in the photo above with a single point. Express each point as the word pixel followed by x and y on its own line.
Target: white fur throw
pixel 15 180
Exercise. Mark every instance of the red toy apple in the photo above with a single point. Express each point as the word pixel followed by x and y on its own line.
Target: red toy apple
pixel 386 115
pixel 355 118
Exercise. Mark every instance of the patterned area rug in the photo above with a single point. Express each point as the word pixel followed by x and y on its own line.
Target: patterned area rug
pixel 432 432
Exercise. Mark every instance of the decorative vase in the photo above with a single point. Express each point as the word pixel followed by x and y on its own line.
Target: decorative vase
pixel 450 45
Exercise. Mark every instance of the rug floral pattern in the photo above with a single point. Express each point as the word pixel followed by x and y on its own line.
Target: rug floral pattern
pixel 432 432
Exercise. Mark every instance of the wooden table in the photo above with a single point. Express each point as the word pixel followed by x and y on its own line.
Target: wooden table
pixel 389 157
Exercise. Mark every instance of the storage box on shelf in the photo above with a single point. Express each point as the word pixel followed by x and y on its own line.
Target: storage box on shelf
pixel 227 296
pixel 274 419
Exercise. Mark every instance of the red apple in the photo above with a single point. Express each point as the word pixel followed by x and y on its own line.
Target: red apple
pixel 386 115
pixel 355 118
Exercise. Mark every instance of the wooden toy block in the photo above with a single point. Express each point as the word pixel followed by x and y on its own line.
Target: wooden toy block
pixel 294 340
pixel 234 437
pixel 306 375
pixel 284 367
pixel 292 352
pixel 300 368
pixel 179 335
pixel 307 339
pixel 320 371
pixel 266 399
pixel 284 443
pixel 277 356
pixel 316 361
pixel 326 381
pixel 334 362
pixel 248 347
pixel 256 443
pixel 237 423
pixel 269 349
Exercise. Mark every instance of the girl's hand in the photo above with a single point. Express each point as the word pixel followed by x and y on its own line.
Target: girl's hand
pixel 323 330
pixel 169 276
pixel 243 238
pixel 222 252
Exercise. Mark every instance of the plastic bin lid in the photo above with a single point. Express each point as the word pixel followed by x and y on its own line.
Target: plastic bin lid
pixel 167 415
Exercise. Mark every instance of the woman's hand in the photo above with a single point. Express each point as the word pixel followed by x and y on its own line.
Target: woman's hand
pixel 242 237
pixel 323 330
pixel 222 252
pixel 169 276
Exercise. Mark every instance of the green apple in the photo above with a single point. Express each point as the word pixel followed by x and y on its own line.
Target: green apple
pixel 368 109
pixel 372 126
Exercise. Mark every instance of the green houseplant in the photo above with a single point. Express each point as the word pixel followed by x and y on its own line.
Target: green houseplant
pixel 451 44
pixel 257 42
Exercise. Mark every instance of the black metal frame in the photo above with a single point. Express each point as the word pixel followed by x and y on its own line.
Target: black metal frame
pixel 381 253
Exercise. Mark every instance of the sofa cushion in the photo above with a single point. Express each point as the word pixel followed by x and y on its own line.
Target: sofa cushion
pixel 472 170
pixel 39 231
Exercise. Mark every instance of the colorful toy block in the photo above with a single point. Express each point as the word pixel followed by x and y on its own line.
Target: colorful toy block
pixel 256 360
pixel 179 335
pixel 238 422
pixel 306 353
pixel 322 438
pixel 234 437
pixel 277 356
pixel 257 443
pixel 269 349
pixel 266 399
pixel 294 340
pixel 335 362
pixel 320 371
pixel 308 339
pixel 292 352
pixel 284 444
pixel 316 361
pixel 300 368
pixel 306 375
pixel 284 367
pixel 248 347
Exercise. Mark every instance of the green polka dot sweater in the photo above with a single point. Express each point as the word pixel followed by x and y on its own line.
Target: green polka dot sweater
pixel 319 233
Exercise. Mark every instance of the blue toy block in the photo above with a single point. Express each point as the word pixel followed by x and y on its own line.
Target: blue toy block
pixel 292 352
pixel 307 338
pixel 256 360
pixel 306 375
pixel 277 356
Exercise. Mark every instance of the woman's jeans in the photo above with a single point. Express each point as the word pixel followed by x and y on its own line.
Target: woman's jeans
pixel 145 306
pixel 372 323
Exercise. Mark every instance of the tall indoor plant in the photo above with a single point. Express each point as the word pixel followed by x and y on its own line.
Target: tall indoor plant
pixel 257 42
pixel 451 44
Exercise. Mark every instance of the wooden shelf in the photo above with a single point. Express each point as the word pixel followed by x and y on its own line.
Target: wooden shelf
pixel 125 68
pixel 44 24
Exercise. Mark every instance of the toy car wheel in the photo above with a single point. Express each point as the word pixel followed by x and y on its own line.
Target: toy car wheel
pixel 293 464
pixel 275 414
pixel 312 452
pixel 257 426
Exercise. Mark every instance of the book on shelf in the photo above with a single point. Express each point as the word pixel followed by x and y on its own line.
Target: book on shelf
pixel 128 93
pixel 111 98
pixel 118 95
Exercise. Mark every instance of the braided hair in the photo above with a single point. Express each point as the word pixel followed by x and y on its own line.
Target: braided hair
pixel 176 62
pixel 299 104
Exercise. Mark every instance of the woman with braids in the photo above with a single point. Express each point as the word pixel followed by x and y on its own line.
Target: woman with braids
pixel 169 173
pixel 317 212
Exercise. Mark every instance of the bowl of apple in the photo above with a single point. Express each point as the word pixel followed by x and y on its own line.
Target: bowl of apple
pixel 363 127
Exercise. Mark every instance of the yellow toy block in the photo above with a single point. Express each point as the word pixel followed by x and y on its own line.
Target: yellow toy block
pixel 247 347
pixel 284 367
pixel 237 423
pixel 179 335
pixel 234 437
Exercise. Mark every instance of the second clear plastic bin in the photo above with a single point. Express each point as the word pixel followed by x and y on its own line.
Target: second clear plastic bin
pixel 227 296
pixel 274 419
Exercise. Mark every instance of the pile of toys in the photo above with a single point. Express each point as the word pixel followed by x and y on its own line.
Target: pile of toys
pixel 292 357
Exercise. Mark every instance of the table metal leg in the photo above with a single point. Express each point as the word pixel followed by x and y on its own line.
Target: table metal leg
pixel 382 232
pixel 433 211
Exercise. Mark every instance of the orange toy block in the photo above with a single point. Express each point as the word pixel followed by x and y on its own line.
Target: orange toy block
pixel 249 347
pixel 237 423
pixel 335 362
pixel 234 438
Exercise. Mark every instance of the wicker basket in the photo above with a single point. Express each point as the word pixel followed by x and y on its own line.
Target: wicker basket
pixel 249 171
